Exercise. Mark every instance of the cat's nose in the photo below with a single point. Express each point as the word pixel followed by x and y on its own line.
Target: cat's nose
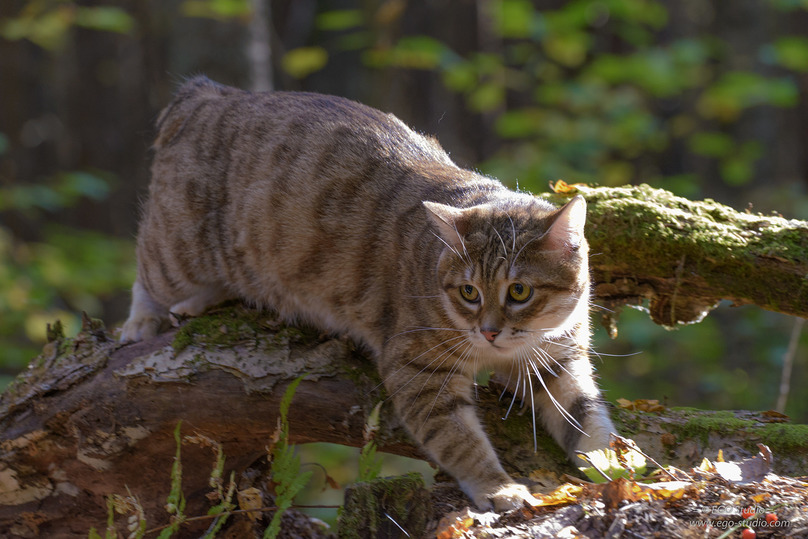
pixel 489 335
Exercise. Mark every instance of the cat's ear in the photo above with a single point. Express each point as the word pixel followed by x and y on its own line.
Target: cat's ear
pixel 452 223
pixel 567 231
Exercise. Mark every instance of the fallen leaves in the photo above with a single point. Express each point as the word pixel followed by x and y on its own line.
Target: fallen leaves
pixel 561 187
pixel 641 405
pixel 716 500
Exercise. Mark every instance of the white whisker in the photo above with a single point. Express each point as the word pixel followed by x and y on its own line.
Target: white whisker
pixel 422 328
pixel 414 359
pixel 571 420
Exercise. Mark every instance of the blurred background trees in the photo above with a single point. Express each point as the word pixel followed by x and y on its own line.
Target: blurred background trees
pixel 701 97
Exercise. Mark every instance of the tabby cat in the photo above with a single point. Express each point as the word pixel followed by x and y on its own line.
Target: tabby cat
pixel 335 213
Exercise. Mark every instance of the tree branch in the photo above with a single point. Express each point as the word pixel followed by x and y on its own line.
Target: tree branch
pixel 685 256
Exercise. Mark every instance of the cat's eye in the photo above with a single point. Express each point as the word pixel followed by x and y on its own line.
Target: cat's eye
pixel 520 292
pixel 470 293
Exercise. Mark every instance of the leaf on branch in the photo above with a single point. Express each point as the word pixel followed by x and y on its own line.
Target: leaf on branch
pixel 560 187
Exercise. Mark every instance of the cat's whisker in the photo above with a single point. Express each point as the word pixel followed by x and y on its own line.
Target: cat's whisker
pixel 423 328
pixel 394 373
pixel 466 259
pixel 550 357
pixel 528 242
pixel 507 383
pixel 526 361
pixel 563 411
pixel 505 249
pixel 601 307
pixel 543 357
pixel 448 354
pixel 516 389
pixel 447 378
pixel 513 233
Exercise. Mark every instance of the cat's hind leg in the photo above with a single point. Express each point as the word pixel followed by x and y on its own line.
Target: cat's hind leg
pixel 146 316
pixel 200 301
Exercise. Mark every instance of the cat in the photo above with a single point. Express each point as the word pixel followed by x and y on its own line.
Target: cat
pixel 335 213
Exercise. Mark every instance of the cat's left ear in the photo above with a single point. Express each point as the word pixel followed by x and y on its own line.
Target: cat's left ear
pixel 452 223
pixel 567 231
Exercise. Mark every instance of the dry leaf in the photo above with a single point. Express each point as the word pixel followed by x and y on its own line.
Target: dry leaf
pixel 615 492
pixel 250 499
pixel 641 405
pixel 773 416
pixel 454 524
pixel 563 188
pixel 566 493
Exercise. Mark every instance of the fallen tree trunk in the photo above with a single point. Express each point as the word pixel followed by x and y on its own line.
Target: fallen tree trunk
pixel 92 418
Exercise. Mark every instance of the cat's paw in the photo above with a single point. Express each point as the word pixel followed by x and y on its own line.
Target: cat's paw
pixel 140 328
pixel 507 497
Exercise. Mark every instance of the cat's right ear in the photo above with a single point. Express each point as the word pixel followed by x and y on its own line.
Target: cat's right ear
pixel 451 223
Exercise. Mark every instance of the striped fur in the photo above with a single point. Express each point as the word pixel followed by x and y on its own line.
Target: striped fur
pixel 337 214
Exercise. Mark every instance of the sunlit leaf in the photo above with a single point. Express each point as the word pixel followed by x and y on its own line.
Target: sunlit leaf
pixel 106 18
pixel 413 52
pixel 304 61
pixel 568 49
pixel 487 97
pixel 607 461
pixel 339 19
pixel 711 143
pixel 215 9
pixel 564 494
pixel 792 52
pixel 513 18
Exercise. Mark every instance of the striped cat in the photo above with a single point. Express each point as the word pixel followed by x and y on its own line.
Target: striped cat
pixel 335 213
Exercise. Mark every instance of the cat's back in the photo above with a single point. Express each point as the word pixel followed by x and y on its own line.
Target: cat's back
pixel 207 122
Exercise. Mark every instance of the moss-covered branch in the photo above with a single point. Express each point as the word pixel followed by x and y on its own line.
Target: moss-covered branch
pixel 684 256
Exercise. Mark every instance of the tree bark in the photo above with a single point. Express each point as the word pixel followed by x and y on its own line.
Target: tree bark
pixel 91 417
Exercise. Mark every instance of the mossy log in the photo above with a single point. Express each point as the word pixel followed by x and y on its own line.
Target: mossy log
pixel 92 418
pixel 684 256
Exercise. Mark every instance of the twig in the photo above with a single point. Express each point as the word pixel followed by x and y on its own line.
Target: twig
pixel 788 364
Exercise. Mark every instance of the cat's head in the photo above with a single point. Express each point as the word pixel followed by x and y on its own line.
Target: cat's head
pixel 512 273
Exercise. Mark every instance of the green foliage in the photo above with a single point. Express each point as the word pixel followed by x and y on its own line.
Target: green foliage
pixel 48 22
pixel 370 464
pixel 175 502
pixel 571 107
pixel 285 465
pixel 303 61
pixel 68 272
pixel 215 9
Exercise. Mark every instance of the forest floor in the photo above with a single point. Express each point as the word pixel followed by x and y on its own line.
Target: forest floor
pixel 716 500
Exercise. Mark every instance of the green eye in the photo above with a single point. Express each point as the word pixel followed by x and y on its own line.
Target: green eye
pixel 520 292
pixel 470 293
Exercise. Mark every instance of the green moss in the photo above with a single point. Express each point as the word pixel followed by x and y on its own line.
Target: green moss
pixel 383 506
pixel 675 237
pixel 719 422
pixel 784 438
pixel 226 325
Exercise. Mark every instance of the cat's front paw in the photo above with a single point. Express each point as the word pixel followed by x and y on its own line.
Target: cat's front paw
pixel 507 497
pixel 140 328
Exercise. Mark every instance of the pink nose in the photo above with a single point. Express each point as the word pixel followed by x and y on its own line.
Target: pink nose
pixel 489 335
